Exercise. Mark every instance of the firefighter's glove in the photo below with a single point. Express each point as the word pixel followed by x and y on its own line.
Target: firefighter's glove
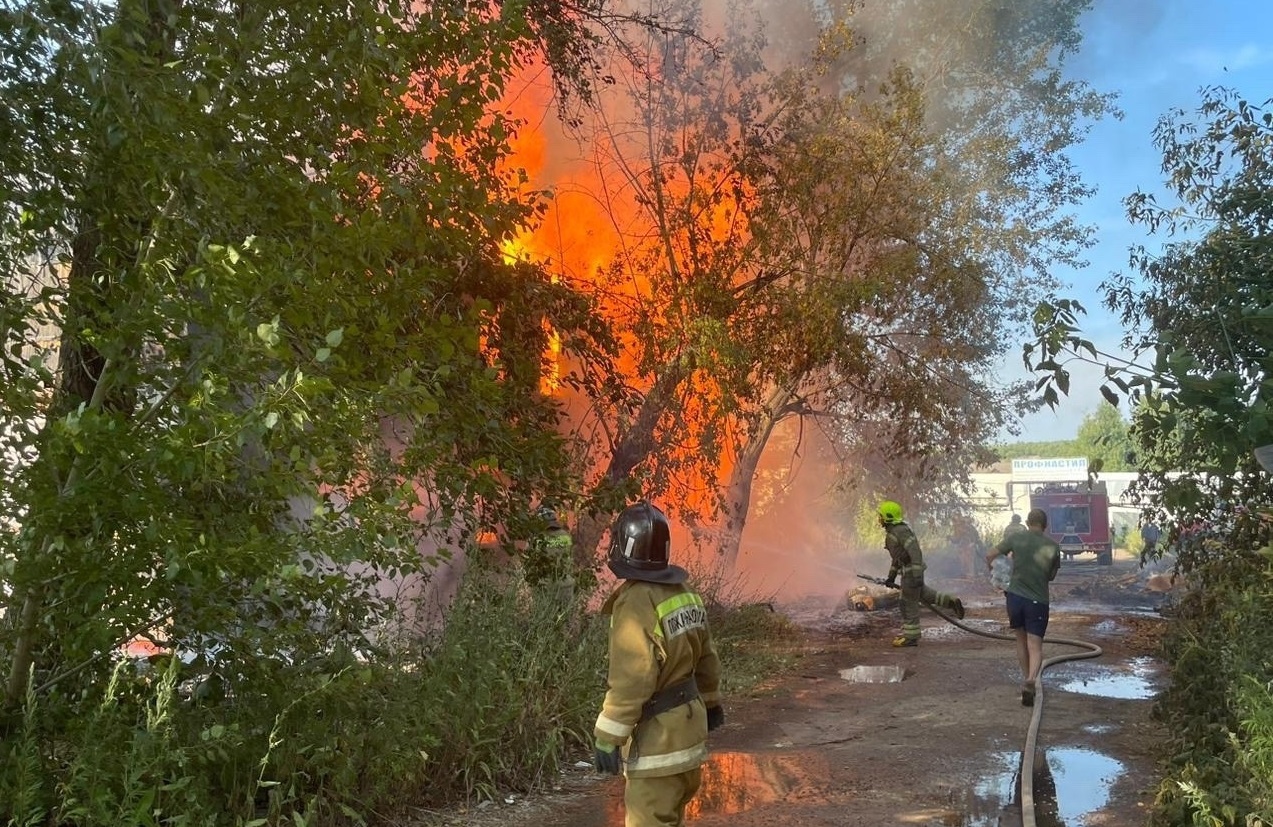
pixel 715 717
pixel 606 758
pixel 890 583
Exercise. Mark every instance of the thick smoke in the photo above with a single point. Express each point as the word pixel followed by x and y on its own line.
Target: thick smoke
pixel 799 539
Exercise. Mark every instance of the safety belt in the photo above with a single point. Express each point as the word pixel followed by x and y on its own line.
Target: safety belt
pixel 670 697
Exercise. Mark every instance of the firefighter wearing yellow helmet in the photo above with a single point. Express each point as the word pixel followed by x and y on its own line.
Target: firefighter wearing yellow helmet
pixel 549 562
pixel 664 675
pixel 908 562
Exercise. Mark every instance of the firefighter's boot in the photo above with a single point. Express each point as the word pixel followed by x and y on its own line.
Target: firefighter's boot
pixel 958 609
pixel 902 640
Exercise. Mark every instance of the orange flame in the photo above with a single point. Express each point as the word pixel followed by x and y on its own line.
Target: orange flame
pixel 592 220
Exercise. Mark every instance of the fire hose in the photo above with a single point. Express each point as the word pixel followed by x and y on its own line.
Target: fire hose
pixel 1091 650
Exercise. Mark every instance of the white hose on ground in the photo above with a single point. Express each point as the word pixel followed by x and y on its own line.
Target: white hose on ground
pixel 1032 732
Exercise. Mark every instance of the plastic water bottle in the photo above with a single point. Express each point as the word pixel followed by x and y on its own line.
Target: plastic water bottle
pixel 1001 572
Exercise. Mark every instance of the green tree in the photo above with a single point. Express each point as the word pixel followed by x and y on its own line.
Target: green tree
pixel 1103 438
pixel 1053 448
pixel 1199 312
pixel 988 217
pixel 256 322
pixel 826 240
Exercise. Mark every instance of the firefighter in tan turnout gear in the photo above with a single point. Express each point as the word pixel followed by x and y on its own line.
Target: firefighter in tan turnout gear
pixel 908 561
pixel 664 675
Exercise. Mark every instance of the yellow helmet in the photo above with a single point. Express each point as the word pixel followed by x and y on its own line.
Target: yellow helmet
pixel 890 512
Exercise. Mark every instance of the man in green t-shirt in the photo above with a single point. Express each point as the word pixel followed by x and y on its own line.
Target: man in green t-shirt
pixel 1036 559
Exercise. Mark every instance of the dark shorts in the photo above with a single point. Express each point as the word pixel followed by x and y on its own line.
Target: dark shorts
pixel 1027 614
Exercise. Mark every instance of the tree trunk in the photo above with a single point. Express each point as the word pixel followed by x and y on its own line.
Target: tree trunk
pixel 634 446
pixel 737 496
pixel 32 591
pixel 85 375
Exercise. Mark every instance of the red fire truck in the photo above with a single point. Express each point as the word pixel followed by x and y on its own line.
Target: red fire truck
pixel 1078 517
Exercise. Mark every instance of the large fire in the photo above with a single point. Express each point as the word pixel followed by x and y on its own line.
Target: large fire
pixel 577 235
pixel 600 229
pixel 598 218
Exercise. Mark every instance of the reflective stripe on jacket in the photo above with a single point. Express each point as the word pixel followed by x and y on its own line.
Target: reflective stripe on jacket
pixel 658 637
pixel 903 548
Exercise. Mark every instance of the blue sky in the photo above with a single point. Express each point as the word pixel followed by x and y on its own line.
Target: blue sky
pixel 1156 55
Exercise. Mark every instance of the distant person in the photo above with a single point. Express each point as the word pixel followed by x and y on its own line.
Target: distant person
pixel 967 544
pixel 1036 559
pixel 664 675
pixel 549 562
pixel 1014 526
pixel 908 561
pixel 1149 537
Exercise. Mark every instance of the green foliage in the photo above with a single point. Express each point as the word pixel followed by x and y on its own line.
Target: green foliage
pixel 975 214
pixel 1210 403
pixel 1199 311
pixel 515 685
pixel 1202 396
pixel 1218 707
pixel 1045 450
pixel 1255 711
pixel 1103 438
pixel 260 352
pixel 491 703
pixel 154 773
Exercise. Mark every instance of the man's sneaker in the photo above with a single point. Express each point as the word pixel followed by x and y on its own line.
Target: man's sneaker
pixel 902 640
pixel 1027 694
pixel 958 608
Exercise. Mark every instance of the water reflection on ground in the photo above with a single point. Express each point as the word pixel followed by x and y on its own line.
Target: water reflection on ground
pixel 736 782
pixel 1139 682
pixel 1068 784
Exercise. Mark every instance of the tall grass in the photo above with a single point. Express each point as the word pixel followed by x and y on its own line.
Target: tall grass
pixel 519 678
pixel 492 703
pixel 753 640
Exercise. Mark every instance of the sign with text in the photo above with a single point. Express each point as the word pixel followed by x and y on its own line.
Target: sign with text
pixel 1040 470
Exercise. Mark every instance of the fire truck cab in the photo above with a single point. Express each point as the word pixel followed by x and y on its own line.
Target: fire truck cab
pixel 1078 517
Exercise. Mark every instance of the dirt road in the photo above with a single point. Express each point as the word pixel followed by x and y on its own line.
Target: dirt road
pixel 942 745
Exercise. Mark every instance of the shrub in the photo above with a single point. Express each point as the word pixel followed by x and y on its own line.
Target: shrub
pixel 752 639
pixel 493 702
pixel 1219 706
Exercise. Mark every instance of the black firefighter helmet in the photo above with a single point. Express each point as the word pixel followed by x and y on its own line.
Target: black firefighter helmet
pixel 548 513
pixel 639 543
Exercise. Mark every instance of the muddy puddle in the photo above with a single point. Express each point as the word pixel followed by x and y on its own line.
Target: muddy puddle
pixel 1139 679
pixel 1068 785
pixel 873 674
